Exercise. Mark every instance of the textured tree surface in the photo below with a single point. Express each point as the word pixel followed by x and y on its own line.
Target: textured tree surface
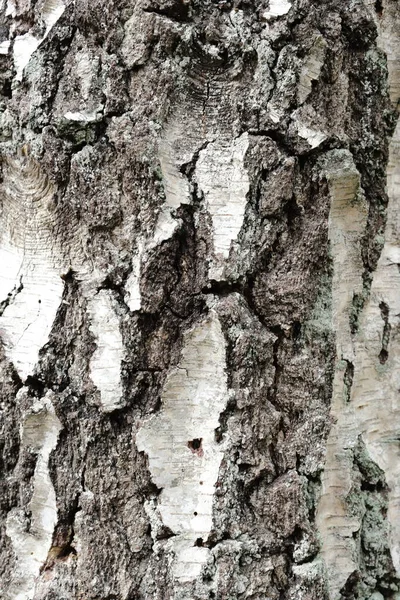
pixel 200 299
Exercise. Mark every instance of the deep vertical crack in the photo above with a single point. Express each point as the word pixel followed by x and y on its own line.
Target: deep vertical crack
pixel 384 353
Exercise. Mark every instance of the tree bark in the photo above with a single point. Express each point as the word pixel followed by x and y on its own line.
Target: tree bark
pixel 200 300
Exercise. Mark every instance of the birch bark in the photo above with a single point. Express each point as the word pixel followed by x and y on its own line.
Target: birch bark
pixel 199 300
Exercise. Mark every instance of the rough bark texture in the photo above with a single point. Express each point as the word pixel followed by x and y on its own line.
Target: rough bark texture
pixel 200 299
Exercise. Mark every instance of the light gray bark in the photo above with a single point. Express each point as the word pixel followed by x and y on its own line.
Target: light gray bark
pixel 199 300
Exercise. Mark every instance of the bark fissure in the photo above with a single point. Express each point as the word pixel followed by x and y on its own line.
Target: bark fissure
pixel 11 296
pixel 384 353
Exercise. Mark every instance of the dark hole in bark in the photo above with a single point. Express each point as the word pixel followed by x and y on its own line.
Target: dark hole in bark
pixel 7 91
pixel 164 533
pixel 68 276
pixel 296 330
pixel 195 513
pixel 67 550
pixel 218 435
pixel 199 542
pixel 379 8
pixel 371 487
pixel 35 384
pixel 293 211
pixel 195 444
pixel 383 356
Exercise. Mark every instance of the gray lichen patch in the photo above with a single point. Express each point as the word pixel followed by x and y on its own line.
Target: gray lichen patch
pixel 319 322
pixel 184 456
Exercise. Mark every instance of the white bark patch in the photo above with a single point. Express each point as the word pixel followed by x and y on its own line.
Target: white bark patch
pixel 347 222
pixel 105 364
pixel 4 47
pixel 274 114
pixel 132 287
pixel 82 117
pixel 312 136
pixel 373 408
pixel 175 149
pixel 39 432
pixel 388 40
pixel 277 8
pixel 184 458
pixel 311 69
pixel 30 286
pixel 11 9
pixel 176 186
pixel 86 65
pixel 165 228
pixel 51 12
pixel 25 45
pixel 224 180
pixel 377 376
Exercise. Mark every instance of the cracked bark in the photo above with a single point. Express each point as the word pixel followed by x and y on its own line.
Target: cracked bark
pixel 199 300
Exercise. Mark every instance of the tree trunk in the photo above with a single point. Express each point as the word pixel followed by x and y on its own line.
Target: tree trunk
pixel 200 300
